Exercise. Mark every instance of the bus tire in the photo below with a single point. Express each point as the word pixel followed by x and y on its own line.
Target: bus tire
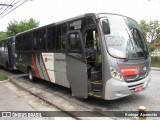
pixel 30 75
pixel 81 99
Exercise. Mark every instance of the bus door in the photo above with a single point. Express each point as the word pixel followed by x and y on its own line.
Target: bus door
pixel 76 64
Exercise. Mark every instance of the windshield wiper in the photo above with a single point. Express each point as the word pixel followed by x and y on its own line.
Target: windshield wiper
pixel 130 42
pixel 137 40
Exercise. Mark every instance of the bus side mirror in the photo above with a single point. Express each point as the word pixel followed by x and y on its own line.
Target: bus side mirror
pixel 105 26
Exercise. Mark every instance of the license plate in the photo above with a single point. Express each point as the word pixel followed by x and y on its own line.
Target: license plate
pixel 138 88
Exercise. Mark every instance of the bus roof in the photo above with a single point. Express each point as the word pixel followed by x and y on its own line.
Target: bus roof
pixel 56 23
pixel 96 15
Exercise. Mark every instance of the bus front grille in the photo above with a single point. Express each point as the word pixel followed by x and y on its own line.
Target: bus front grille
pixel 135 78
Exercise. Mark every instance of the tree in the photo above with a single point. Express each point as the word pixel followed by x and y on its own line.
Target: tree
pixel 158 39
pixel 154 29
pixel 151 29
pixel 15 27
pixel 3 35
pixel 144 27
pixel 151 47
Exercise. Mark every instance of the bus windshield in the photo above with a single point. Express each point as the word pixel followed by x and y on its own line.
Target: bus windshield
pixel 124 38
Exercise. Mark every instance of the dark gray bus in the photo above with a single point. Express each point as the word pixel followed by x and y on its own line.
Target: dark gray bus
pixel 101 55
pixel 7 53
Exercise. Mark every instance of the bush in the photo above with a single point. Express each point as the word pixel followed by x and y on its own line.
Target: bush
pixel 151 47
pixel 155 61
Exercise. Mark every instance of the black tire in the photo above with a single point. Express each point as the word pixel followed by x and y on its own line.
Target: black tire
pixel 81 99
pixel 30 75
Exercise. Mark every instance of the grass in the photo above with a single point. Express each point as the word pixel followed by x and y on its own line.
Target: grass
pixel 3 77
pixel 155 61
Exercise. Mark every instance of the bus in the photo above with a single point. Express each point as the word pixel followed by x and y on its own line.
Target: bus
pixel 7 53
pixel 102 55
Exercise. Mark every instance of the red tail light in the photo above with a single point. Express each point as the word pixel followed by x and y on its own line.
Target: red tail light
pixel 129 70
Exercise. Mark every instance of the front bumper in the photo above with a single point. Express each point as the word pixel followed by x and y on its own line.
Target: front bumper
pixel 115 89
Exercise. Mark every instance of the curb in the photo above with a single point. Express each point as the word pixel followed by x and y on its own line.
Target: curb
pixel 4 81
pixel 157 69
pixel 41 97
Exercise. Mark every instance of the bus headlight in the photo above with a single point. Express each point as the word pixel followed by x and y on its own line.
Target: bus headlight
pixel 116 75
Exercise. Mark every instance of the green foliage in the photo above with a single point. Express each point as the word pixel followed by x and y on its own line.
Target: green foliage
pixel 15 27
pixel 155 60
pixel 3 35
pixel 151 47
pixel 144 27
pixel 151 27
pixel 158 39
pixel 3 77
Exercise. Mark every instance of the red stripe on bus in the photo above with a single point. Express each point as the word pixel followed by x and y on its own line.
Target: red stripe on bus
pixel 35 67
pixel 129 70
pixel 45 68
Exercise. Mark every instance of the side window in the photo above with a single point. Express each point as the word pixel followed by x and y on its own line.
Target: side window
pixel 6 46
pixel 2 46
pixel 75 25
pixel 27 42
pixel 81 24
pixel 74 43
pixel 63 35
pixel 51 38
pixel 42 39
pixel 19 43
pixel 39 38
pixel 36 41
pixel 60 37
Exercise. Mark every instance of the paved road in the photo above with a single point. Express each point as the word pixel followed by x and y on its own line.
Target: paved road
pixel 149 98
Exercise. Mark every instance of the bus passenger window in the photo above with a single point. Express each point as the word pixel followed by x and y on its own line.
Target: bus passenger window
pixel 5 47
pixel 2 46
pixel 42 39
pixel 74 43
pixel 36 41
pixel 19 43
pixel 60 37
pixel 51 38
pixel 27 42
pixel 39 39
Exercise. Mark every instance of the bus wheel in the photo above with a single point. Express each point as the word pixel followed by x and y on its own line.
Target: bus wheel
pixel 30 74
pixel 81 99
